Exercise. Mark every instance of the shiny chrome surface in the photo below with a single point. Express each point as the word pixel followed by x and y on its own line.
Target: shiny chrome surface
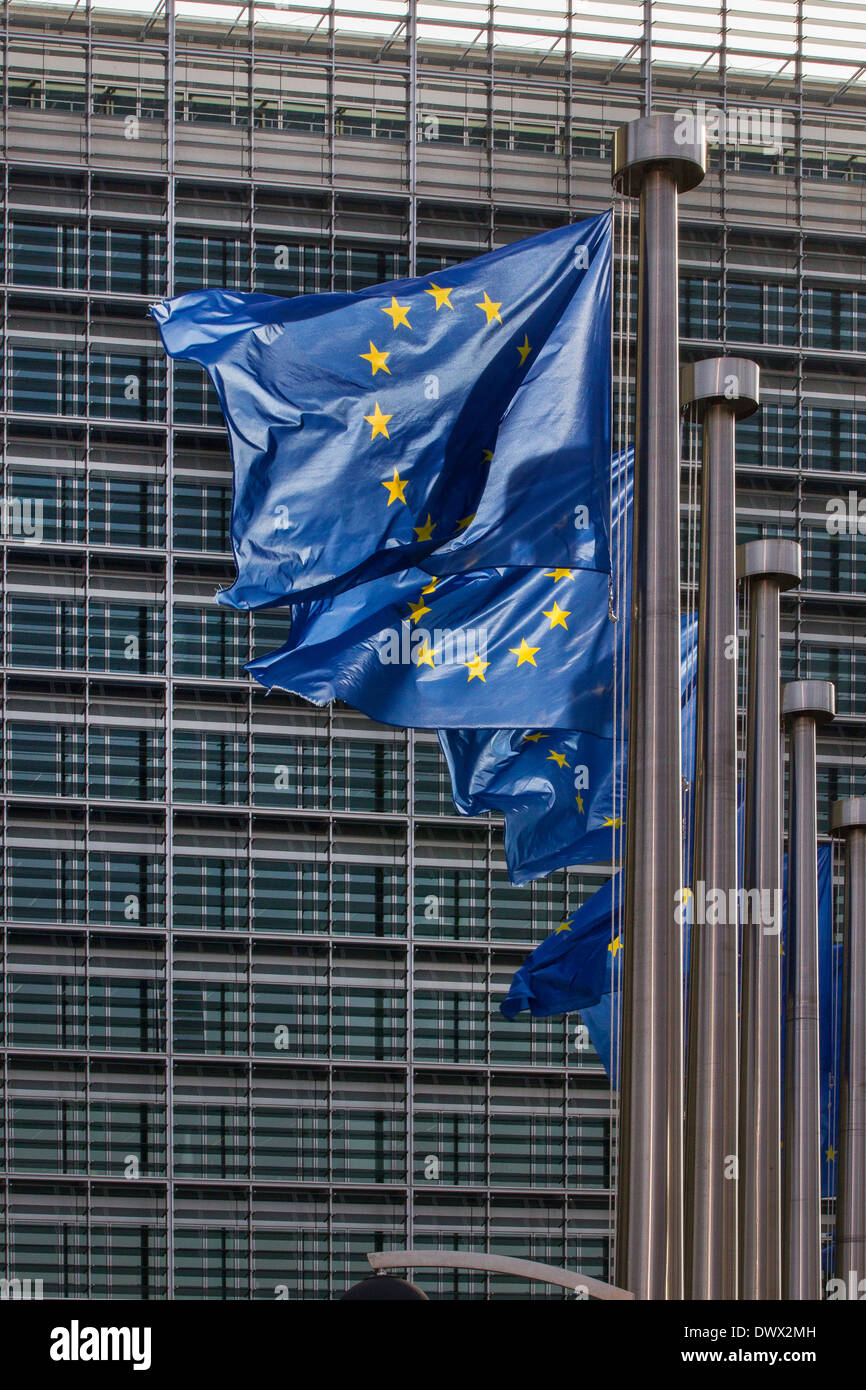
pixel 816 698
pixel 711 1059
pixel 730 381
pixel 659 141
pixel 804 704
pixel 849 818
pixel 769 565
pixel 772 557
pixel 649 1191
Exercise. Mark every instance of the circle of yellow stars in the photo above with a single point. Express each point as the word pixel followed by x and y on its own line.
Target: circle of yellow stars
pixel 379 420
pixel 395 486
pixel 477 667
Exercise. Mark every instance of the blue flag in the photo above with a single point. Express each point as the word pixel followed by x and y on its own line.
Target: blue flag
pixel 601 1016
pixel 559 792
pixel 504 645
pixel 571 968
pixel 466 413
pixel 556 791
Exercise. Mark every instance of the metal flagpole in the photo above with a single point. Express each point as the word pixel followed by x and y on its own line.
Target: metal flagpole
pixel 722 390
pixel 769 565
pixel 849 818
pixel 805 704
pixel 655 158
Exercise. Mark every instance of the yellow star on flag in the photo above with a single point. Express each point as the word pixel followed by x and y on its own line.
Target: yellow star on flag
pixel 615 945
pixel 579 800
pixel 487 456
pixel 477 667
pixel 440 294
pixel 831 1154
pixel 424 655
pixel 396 487
pixel 417 610
pixel 429 588
pixel 533 738
pixel 465 521
pixel 524 652
pixel 425 532
pixel 379 423
pixel 563 926
pixel 376 358
pixel 613 821
pixel 558 758
pixel 490 309
pixel 557 616
pixel 398 313
pixel 524 349
pixel 556 575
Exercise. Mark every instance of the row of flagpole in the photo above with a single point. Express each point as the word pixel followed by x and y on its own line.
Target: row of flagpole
pixel 711 1204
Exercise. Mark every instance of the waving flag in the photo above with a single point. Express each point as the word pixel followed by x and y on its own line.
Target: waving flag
pixel 568 971
pixel 463 651
pixel 466 413
pixel 555 788
pixel 571 968
pixel 560 792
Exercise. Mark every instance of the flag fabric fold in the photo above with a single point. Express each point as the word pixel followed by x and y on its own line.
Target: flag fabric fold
pixel 560 792
pixel 511 646
pixel 555 789
pixel 465 413
pixel 571 968
pixel 568 972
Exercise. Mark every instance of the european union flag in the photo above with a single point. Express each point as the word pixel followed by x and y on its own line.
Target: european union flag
pixel 560 792
pixel 466 413
pixel 571 968
pixel 506 645
pixel 602 1024
pixel 567 972
pixel 555 789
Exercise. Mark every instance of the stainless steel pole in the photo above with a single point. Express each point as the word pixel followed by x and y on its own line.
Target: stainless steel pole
pixel 722 390
pixel 769 566
pixel 805 704
pixel 655 159
pixel 849 818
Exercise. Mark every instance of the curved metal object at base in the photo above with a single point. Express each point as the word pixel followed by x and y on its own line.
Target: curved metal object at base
pixel 494 1264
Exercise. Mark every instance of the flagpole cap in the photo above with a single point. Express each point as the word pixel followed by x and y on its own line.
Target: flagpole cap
pixel 772 557
pixel 729 381
pixel 673 141
pixel 849 814
pixel 814 698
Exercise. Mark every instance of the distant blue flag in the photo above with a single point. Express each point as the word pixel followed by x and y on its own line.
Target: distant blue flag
pixel 466 412
pixel 597 1018
pixel 556 791
pixel 559 792
pixel 602 1024
pixel 511 646
pixel 571 968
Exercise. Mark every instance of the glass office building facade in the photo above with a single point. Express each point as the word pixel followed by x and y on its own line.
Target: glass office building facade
pixel 252 957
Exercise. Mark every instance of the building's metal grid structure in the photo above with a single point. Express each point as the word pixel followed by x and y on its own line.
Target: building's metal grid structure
pixel 352 143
